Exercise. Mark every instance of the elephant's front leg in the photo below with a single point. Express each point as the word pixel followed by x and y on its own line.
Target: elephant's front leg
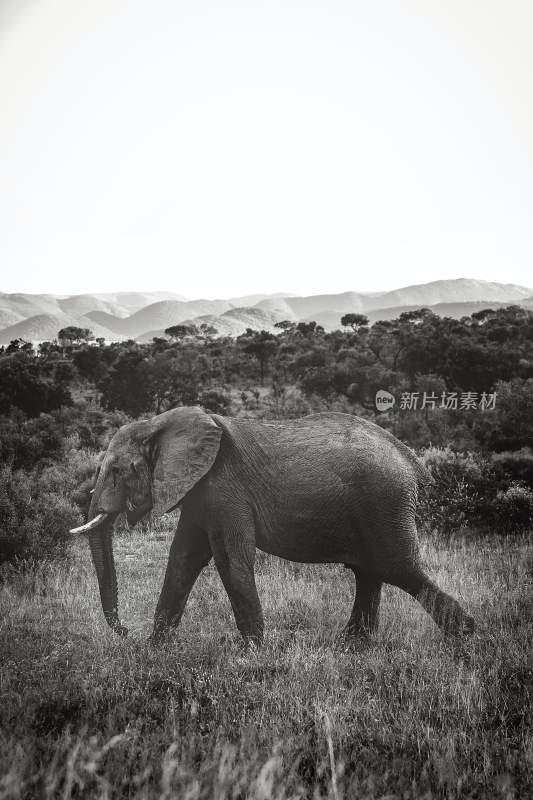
pixel 190 552
pixel 233 547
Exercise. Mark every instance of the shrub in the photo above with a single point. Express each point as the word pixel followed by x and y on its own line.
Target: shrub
pixel 513 509
pixel 470 492
pixel 285 403
pixel 22 387
pixel 33 525
pixel 38 508
pixel 462 493
pixel 510 425
pixel 517 465
pixel 215 401
pixel 26 443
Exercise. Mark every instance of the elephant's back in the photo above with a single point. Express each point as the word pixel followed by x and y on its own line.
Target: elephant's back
pixel 344 445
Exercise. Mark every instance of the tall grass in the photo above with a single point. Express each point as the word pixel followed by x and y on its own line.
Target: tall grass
pixel 408 715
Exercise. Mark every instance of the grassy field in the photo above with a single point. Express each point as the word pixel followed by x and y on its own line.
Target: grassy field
pixel 408 715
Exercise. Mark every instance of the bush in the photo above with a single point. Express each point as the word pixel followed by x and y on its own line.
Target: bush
pixel 462 493
pixel 284 403
pixel 470 492
pixel 513 509
pixel 37 509
pixel 33 525
pixel 23 387
pixel 517 465
pixel 26 443
pixel 216 402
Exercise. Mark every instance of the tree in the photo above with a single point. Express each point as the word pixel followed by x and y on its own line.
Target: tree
pixel 90 363
pixel 170 379
pixel 416 316
pixel 309 329
pixel 22 387
pixel 262 345
pixel 73 335
pixel 510 425
pixel 47 348
pixel 354 321
pixel 19 345
pixel 483 315
pixel 123 388
pixel 285 325
pixel 208 330
pixel 178 332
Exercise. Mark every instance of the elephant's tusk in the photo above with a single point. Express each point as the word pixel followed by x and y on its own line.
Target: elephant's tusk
pixel 91 491
pixel 90 526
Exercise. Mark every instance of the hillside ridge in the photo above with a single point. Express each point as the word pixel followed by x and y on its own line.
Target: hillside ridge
pixel 142 315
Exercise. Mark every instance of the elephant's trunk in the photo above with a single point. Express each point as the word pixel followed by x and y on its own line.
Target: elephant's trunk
pixel 101 544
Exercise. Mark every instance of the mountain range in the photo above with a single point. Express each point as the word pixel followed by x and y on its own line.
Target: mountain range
pixel 143 315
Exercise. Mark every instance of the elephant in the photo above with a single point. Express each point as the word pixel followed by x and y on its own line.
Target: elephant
pixel 324 488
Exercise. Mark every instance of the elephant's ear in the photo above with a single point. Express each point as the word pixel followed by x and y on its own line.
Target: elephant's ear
pixel 184 443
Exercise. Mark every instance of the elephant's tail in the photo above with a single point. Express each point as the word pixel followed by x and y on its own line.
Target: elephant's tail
pixel 423 475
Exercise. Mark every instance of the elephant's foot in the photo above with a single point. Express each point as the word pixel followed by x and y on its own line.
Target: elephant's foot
pixel 161 631
pixel 252 640
pixel 251 630
pixel 449 615
pixel 159 637
pixel 445 610
pixel 459 624
pixel 355 636
pixel 114 623
pixel 251 644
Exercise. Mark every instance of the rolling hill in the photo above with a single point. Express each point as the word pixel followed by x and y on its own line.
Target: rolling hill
pixel 142 315
pixel 45 327
pixel 28 305
pixel 304 307
pixel 453 291
pixel 9 317
pixel 230 323
pixel 158 316
pixel 279 307
pixel 121 304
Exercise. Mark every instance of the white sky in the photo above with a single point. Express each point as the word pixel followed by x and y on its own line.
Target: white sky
pixel 218 148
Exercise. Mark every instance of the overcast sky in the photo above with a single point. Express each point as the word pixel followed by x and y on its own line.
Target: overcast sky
pixel 216 148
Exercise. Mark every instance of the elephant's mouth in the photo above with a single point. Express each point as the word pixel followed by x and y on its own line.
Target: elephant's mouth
pixel 136 512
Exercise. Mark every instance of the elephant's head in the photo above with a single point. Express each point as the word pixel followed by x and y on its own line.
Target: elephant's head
pixel 150 464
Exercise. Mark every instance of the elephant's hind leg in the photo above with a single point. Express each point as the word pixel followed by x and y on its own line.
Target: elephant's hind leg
pixel 444 609
pixel 365 612
pixel 190 552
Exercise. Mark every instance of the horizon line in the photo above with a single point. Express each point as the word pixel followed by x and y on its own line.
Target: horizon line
pixel 279 294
